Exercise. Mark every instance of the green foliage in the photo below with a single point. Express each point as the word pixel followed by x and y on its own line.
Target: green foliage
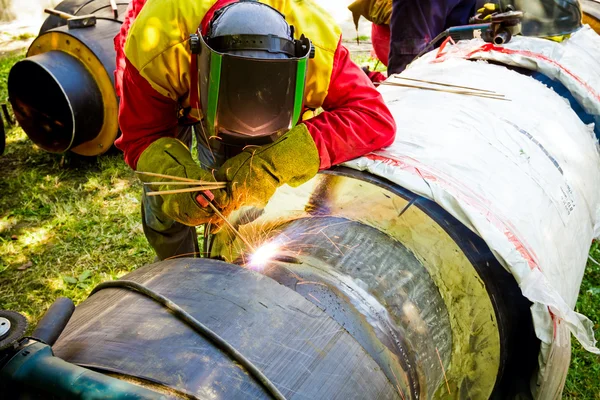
pixel 583 381
pixel 72 222
pixel 6 64
pixel 24 36
pixel 365 59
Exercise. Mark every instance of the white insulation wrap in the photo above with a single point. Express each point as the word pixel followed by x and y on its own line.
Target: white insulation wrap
pixel 522 174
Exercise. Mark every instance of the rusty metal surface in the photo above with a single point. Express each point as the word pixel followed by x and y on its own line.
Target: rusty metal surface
pixel 299 347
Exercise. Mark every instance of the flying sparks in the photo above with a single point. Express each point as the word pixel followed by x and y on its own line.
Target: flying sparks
pixel 263 255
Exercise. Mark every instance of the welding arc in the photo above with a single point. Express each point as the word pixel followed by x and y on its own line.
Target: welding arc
pixel 199 327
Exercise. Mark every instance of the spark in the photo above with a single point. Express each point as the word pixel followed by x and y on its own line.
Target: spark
pixel 263 255
pixel 443 370
pixel 311 295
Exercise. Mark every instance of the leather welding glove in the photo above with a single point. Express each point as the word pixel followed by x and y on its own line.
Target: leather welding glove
pixel 255 173
pixel 169 156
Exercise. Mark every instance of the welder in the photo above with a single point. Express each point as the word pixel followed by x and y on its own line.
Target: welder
pixel 266 90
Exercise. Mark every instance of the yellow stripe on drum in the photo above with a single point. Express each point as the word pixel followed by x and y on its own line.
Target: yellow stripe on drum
pixel 592 21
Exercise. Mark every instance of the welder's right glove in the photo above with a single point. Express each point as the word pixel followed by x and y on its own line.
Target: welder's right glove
pixel 255 173
pixel 169 156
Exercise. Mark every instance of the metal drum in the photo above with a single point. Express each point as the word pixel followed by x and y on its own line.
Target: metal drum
pixel 358 289
pixel 63 92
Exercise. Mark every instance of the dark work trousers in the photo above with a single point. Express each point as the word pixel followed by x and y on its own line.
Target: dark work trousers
pixel 415 23
pixel 169 238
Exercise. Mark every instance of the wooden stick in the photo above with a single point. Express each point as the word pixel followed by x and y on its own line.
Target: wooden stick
pixel 443 84
pixel 188 190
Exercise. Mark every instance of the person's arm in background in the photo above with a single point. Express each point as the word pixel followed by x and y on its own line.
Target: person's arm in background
pixel 356 121
pixel 415 23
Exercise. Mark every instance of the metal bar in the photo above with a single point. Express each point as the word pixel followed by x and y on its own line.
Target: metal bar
pixel 113 5
pixel 197 183
pixel 175 178
pixel 442 84
pixel 477 94
pixel 188 190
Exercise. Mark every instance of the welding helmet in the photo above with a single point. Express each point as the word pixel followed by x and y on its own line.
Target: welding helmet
pixel 546 18
pixel 251 73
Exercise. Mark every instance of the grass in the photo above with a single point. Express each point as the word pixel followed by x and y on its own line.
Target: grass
pixel 374 64
pixel 67 224
pixel 23 36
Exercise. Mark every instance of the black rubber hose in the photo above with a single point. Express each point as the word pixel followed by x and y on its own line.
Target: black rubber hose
pixel 432 44
pixel 54 321
pixel 198 327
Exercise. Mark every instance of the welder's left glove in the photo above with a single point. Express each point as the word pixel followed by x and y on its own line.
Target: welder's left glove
pixel 255 173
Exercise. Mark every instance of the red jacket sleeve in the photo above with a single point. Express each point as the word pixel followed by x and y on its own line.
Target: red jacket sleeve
pixel 356 121
pixel 144 116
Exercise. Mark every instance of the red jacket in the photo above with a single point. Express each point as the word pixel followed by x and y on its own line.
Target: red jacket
pixel 355 120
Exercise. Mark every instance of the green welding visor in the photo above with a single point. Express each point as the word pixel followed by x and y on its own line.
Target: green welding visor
pixel 256 98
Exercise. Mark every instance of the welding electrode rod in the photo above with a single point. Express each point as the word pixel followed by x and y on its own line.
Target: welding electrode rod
pixel 188 190
pixel 197 183
pixel 175 178
pixel 230 225
pixel 443 84
pixel 477 94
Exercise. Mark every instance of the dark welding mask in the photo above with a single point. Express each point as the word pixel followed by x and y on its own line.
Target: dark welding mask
pixel 251 73
pixel 547 18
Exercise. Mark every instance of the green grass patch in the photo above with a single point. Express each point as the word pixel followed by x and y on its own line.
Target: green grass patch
pixel 66 225
pixel 583 381
pixel 69 223
pixel 365 59
pixel 6 64
pixel 24 36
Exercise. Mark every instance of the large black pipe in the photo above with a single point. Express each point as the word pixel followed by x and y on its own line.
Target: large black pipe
pixel 61 105
pixel 364 311
pixel 63 91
